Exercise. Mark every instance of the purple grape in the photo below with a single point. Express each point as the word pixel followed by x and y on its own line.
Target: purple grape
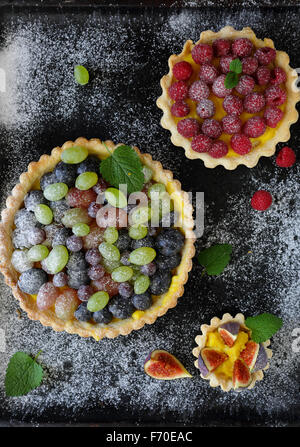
pixel 84 292
pixel 148 269
pixel 60 279
pixel 125 258
pixel 74 243
pixel 96 272
pixel 93 256
pixel 125 289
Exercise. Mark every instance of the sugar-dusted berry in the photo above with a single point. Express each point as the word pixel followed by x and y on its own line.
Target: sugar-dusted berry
pixel 286 157
pixel 180 109
pixel 182 71
pixel 265 55
pixel 201 143
pixel 233 105
pixel 219 88
pixel 254 102
pixel 47 296
pixel 254 127
pixel 278 76
pixel 66 304
pixel 245 85
pixel 242 47
pixel 221 47
pixel 208 73
pixel 218 149
pixel 261 200
pixel 275 96
pixel 241 144
pixel 178 91
pixel 212 128
pixel 206 108
pixel 202 53
pixel 249 65
pixel 80 199
pixel 272 116
pixel 231 124
pixel 188 127
pixel 263 75
pixel 107 284
pixel 198 90
pixel 225 62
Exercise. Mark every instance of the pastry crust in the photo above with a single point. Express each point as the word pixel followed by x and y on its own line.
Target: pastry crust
pixel 98 331
pixel 282 131
pixel 214 381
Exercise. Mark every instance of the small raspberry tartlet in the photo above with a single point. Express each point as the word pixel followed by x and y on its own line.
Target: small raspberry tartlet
pixel 249 119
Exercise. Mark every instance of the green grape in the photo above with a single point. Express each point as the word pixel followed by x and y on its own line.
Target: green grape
pixel 86 180
pixel 136 272
pixel 148 173
pixel 111 235
pixel 110 266
pixel 156 190
pixel 81 229
pixel 115 197
pixel 57 259
pixel 81 74
pixel 74 154
pixel 37 253
pixel 122 274
pixel 43 214
pixel 97 301
pixel 56 191
pixel 74 216
pixel 141 284
pixel 142 255
pixel 109 251
pixel 138 231
pixel 141 215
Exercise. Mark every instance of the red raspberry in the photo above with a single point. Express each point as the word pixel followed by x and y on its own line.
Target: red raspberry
pixel 202 53
pixel 218 149
pixel 180 109
pixel 242 47
pixel 241 144
pixel 212 128
pixel 245 85
pixel 231 124
pixel 206 108
pixel 272 116
pixel 208 73
pixel 286 157
pixel 254 127
pixel 233 105
pixel 198 90
pixel 221 47
pixel 261 200
pixel 219 88
pixel 182 71
pixel 265 55
pixel 201 143
pixel 178 91
pixel 250 65
pixel 263 75
pixel 225 63
pixel 275 96
pixel 188 128
pixel 254 102
pixel 278 76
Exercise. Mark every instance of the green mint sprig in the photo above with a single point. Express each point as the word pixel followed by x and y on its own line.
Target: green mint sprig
pixel 23 374
pixel 214 259
pixel 123 166
pixel 263 326
pixel 232 78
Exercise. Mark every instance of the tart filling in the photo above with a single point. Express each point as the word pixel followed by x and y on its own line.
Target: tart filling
pixel 227 356
pixel 224 124
pixel 81 257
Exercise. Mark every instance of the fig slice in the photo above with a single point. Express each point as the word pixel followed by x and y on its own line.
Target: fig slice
pixel 229 332
pixel 241 374
pixel 249 354
pixel 213 358
pixel 162 365
pixel 262 359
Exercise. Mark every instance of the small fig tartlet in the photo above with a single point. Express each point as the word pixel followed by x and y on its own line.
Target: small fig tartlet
pixel 228 357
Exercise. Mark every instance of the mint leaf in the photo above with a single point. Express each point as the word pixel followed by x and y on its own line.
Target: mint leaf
pixel 23 374
pixel 231 79
pixel 263 326
pixel 236 66
pixel 123 167
pixel 214 259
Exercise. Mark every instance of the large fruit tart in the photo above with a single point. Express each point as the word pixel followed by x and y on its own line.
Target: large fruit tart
pixel 229 98
pixel 80 257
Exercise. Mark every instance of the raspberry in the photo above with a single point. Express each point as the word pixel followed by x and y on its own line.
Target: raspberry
pixel 225 63
pixel 272 116
pixel 275 96
pixel 245 85
pixel 242 47
pixel 254 127
pixel 231 124
pixel 206 108
pixel 212 128
pixel 286 157
pixel 221 47
pixel 201 143
pixel 250 65
pixel 261 200
pixel 265 55
pixel 188 127
pixel 233 105
pixel 263 75
pixel 219 88
pixel 202 53
pixel 241 144
pixel 198 90
pixel 278 76
pixel 218 149
pixel 180 109
pixel 182 71
pixel 208 73
pixel 178 91
pixel 254 102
